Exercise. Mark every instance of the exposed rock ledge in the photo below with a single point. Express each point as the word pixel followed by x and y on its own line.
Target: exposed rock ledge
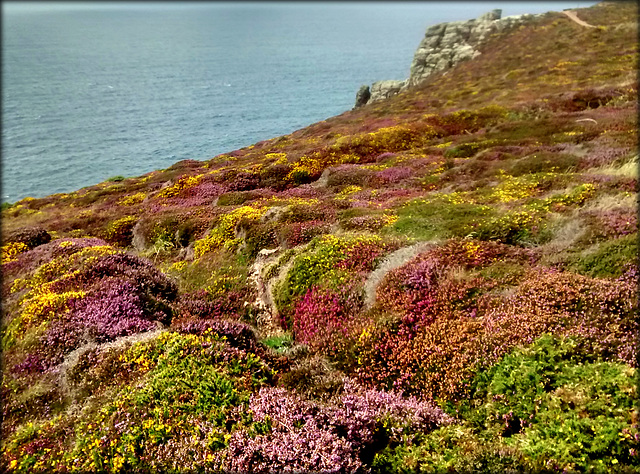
pixel 444 45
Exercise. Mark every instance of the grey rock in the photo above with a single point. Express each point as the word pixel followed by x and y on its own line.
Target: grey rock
pixel 492 15
pixel 363 96
pixel 187 253
pixel 383 89
pixel 274 214
pixel 139 241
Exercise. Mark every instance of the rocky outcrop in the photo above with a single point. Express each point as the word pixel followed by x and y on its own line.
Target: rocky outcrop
pixel 448 44
pixel 382 89
pixel 267 313
pixel 443 46
pixel 363 96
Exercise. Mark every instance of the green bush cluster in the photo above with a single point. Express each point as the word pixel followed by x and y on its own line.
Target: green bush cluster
pixel 119 231
pixel 235 198
pixel 544 162
pixel 515 227
pixel 610 258
pixel 548 407
pixel 467 150
pixel 439 218
pixel 387 139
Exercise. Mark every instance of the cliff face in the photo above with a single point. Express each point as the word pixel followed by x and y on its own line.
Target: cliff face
pixel 443 46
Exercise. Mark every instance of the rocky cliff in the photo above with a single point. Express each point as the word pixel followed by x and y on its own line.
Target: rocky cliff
pixel 444 45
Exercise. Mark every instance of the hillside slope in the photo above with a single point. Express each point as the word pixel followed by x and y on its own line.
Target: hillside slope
pixel 443 281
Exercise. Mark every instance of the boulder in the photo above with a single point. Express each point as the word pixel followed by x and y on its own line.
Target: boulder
pixel 383 89
pixel 362 97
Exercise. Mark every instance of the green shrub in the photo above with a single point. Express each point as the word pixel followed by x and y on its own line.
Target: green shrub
pixel 168 231
pixel 275 176
pixel 543 162
pixel 464 150
pixel 452 448
pixel 439 218
pixel 119 231
pixel 235 198
pixel 510 228
pixel 469 172
pixel 610 259
pixel 257 236
pixel 466 120
pixel 559 406
pixel 278 343
pixel 386 139
pixel 302 213
pixel 319 264
pixel 552 406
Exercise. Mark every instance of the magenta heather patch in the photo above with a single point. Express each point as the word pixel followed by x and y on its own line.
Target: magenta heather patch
pixel 298 233
pixel 125 266
pixel 318 314
pixel 422 276
pixel 304 450
pixel 305 192
pixel 602 156
pixel 62 337
pixel 599 312
pixel 124 295
pixel 196 306
pixel 361 258
pixel 29 261
pixel 306 436
pixel 199 195
pixel 116 309
pixel 32 363
pixel 615 222
pixel 200 304
pixel 607 182
pixel 395 174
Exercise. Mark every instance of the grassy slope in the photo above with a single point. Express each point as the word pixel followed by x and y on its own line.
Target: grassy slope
pixel 519 166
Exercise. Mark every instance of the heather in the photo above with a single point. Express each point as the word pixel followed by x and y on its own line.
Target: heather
pixel 443 281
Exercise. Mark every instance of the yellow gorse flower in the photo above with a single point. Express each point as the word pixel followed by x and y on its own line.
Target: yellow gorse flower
pixel 183 183
pixel 179 266
pixel 352 189
pixel 11 250
pixel 47 305
pixel 132 199
pixel 223 232
pixel 116 226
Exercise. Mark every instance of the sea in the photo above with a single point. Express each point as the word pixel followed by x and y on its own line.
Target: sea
pixel 102 89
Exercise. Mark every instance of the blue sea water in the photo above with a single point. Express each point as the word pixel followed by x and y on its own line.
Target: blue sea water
pixel 90 91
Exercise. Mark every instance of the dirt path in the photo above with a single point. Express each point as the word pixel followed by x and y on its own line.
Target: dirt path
pixel 73 358
pixel 391 262
pixel 572 15
pixel 267 318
